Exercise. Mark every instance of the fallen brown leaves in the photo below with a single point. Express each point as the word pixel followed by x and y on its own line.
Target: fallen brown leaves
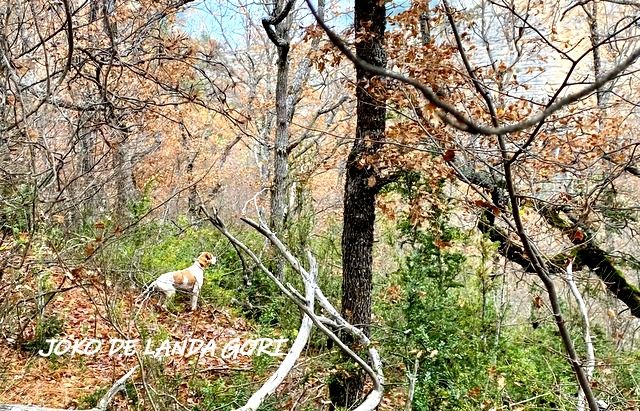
pixel 94 310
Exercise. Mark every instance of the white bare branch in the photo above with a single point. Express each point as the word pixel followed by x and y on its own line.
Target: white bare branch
pixel 325 324
pixel 586 331
pixel 294 353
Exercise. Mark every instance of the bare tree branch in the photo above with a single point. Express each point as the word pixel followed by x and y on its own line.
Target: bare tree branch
pixel 334 322
pixel 452 116
pixel 586 332
pixel 289 361
pixel 270 22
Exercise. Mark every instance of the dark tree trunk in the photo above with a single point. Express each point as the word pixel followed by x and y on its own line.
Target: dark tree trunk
pixel 594 36
pixel 280 155
pixel 280 19
pixel 361 187
pixel 89 205
pixel 192 197
pixel 425 25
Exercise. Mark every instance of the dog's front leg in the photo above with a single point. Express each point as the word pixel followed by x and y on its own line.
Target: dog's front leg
pixel 194 297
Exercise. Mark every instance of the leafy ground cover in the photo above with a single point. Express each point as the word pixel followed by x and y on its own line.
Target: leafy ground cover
pixel 88 311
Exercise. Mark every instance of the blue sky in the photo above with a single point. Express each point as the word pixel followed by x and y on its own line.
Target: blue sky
pixel 203 17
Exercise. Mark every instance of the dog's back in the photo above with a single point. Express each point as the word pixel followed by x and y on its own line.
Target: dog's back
pixel 184 279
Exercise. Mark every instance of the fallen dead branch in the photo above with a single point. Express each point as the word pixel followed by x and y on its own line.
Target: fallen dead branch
pixel 305 303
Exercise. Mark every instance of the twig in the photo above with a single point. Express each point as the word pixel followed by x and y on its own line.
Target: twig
pixel 586 330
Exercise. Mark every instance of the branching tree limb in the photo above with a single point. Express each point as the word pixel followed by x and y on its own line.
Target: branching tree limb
pixel 454 117
pixel 588 253
pixel 289 361
pixel 334 321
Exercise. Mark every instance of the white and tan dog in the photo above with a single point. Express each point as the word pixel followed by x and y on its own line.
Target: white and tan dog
pixel 189 280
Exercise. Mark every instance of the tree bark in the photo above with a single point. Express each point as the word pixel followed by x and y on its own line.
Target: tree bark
pixel 281 19
pixel 124 186
pixel 425 25
pixel 594 36
pixel 280 155
pixel 191 155
pixel 361 186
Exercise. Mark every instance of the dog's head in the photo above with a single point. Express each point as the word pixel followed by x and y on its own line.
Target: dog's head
pixel 206 259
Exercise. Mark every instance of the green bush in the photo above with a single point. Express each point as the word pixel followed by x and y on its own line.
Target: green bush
pixel 450 330
pixel 223 393
pixel 443 317
pixel 91 400
pixel 15 208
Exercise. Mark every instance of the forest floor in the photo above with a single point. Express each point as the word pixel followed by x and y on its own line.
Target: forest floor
pixel 84 305
pixel 90 311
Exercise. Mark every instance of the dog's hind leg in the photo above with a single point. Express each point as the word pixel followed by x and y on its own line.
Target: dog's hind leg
pixel 166 288
pixel 166 296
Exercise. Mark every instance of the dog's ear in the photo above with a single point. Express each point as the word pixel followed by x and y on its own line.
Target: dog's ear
pixel 205 259
pixel 212 258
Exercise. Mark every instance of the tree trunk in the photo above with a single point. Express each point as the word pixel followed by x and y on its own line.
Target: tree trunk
pixel 361 187
pixel 425 25
pixel 280 155
pixel 86 190
pixel 594 36
pixel 192 196
pixel 279 186
pixel 125 189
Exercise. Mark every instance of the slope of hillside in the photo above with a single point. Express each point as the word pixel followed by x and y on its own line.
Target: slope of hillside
pixel 91 314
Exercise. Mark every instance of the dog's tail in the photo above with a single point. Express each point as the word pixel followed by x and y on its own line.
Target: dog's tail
pixel 144 295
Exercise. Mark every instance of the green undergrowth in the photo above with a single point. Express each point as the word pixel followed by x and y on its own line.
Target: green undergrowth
pixel 438 320
pixel 153 249
pixel 435 315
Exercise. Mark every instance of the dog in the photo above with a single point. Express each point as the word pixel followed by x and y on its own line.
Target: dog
pixel 189 280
